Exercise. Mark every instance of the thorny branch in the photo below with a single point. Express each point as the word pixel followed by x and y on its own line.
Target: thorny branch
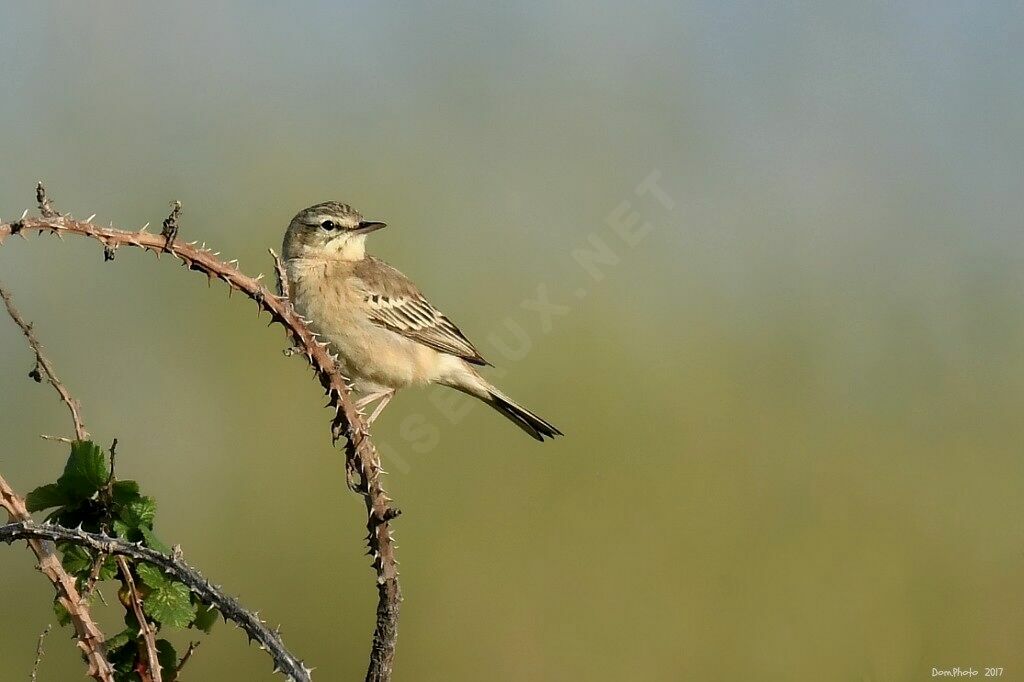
pixel 283 663
pixel 90 637
pixel 362 459
pixel 175 566
pixel 43 363
pixel 192 646
pixel 145 627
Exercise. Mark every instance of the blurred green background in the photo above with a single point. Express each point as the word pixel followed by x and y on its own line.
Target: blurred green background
pixel 793 401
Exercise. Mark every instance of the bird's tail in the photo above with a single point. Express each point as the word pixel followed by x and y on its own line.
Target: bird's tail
pixel 520 416
pixel 469 381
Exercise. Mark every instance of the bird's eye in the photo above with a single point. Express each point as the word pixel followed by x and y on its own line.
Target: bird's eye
pixel 327 224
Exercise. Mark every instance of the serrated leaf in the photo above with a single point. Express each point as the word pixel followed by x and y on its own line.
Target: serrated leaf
pixel 46 496
pixel 85 472
pixel 138 513
pixel 152 541
pixel 166 656
pixel 122 530
pixel 124 492
pixel 170 605
pixel 152 576
pixel 206 616
pixel 75 559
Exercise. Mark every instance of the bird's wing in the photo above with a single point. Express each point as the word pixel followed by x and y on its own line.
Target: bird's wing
pixel 393 302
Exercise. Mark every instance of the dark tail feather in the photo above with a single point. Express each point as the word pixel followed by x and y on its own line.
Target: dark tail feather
pixel 521 417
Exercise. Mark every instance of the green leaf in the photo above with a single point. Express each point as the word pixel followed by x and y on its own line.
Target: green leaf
pixel 166 656
pixel 109 569
pixel 73 515
pixel 46 496
pixel 206 616
pixel 122 530
pixel 76 559
pixel 152 576
pixel 170 605
pixel 139 513
pixel 63 617
pixel 86 471
pixel 152 541
pixel 123 657
pixel 119 640
pixel 124 492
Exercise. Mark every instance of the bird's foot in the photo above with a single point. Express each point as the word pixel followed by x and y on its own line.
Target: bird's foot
pixel 383 396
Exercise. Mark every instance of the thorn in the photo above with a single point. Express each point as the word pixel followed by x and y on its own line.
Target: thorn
pixel 24 214
pixel 144 227
pixel 89 219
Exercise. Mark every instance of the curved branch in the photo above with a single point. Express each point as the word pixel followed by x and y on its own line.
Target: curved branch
pixel 362 458
pixel 176 567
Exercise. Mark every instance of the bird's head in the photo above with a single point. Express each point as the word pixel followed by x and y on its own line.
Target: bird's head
pixel 328 230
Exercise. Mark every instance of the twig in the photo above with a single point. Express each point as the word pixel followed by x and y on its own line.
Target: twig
pixel 113 461
pixel 176 567
pixel 145 628
pixel 170 231
pixel 39 653
pixel 94 577
pixel 361 456
pixel 282 276
pixel 56 439
pixel 192 646
pixel 90 637
pixel 42 363
pixel 45 207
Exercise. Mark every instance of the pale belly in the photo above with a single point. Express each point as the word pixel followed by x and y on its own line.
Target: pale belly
pixel 369 354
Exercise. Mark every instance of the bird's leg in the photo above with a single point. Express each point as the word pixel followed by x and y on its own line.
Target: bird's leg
pixel 385 399
pixel 370 397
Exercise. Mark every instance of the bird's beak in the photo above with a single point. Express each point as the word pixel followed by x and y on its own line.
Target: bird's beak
pixel 368 226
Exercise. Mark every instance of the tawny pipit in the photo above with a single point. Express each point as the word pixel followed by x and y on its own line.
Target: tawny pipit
pixel 387 336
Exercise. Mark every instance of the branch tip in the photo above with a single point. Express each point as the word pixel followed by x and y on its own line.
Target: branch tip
pixel 170 231
pixel 45 206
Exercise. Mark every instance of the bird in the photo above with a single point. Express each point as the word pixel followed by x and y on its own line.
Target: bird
pixel 386 334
